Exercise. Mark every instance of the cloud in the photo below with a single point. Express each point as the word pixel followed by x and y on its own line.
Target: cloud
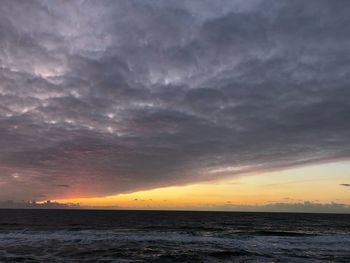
pixel 295 207
pixel 122 96
pixel 345 184
pixel 33 205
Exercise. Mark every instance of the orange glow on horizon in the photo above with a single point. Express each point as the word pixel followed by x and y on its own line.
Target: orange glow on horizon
pixel 292 185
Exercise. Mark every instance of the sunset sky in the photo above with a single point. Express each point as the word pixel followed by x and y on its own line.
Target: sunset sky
pixel 175 104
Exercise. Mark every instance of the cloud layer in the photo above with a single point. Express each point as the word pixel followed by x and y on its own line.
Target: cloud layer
pixel 106 97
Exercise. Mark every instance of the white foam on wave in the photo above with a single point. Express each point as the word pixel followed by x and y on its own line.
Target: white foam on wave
pixel 101 235
pixel 87 236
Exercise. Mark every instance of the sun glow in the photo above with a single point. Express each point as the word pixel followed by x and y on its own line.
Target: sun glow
pixel 289 186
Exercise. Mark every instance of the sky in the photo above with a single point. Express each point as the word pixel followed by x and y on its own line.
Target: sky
pixel 174 104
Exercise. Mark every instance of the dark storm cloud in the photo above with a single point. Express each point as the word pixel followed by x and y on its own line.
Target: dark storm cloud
pixel 116 96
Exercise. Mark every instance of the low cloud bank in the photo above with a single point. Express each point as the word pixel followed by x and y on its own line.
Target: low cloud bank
pixel 304 207
pixel 34 205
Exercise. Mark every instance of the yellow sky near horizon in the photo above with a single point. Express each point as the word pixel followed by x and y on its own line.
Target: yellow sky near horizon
pixel 319 183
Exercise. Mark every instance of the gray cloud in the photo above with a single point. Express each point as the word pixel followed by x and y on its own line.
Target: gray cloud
pixel 127 95
pixel 33 205
pixel 298 207
pixel 345 184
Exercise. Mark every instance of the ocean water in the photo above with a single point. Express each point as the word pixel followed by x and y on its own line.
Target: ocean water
pixel 160 236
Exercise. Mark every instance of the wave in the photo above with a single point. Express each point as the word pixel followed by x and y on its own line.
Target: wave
pixel 170 246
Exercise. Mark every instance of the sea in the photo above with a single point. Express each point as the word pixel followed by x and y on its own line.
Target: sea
pixel 171 236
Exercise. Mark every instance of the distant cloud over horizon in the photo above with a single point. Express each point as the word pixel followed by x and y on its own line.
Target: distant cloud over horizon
pixel 105 97
pixel 297 207
pixel 10 204
pixel 345 185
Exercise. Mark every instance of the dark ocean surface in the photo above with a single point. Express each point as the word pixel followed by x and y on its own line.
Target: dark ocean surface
pixel 159 236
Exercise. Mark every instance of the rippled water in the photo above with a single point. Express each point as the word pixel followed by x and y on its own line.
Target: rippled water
pixel 140 236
